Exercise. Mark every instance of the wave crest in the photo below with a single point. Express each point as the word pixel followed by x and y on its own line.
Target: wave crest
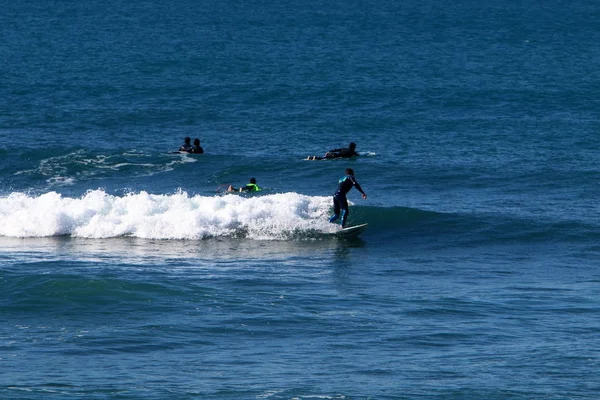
pixel 151 216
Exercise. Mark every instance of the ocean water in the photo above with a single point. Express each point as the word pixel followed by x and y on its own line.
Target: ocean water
pixel 126 271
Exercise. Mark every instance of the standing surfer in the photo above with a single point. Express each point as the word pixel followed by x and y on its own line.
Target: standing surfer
pixel 340 202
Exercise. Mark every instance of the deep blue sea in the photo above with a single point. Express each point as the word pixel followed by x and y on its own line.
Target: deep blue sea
pixel 127 272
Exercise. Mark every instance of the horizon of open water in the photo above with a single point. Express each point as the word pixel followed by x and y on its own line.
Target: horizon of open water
pixel 126 272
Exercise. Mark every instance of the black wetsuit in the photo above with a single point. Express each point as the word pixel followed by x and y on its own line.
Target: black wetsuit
pixel 344 152
pixel 339 198
pixel 196 150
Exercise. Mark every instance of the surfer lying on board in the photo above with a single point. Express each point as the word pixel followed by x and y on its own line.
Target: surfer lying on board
pixel 344 152
pixel 339 197
pixel 250 187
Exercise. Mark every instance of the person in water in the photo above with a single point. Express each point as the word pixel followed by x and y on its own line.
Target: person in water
pixel 186 146
pixel 250 187
pixel 340 203
pixel 344 152
pixel 196 149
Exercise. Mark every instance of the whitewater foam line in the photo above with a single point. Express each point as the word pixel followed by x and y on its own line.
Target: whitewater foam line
pixel 176 216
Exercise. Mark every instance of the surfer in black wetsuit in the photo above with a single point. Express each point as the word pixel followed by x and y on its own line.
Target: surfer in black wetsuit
pixel 344 152
pixel 339 197
pixel 196 149
pixel 186 146
pixel 250 187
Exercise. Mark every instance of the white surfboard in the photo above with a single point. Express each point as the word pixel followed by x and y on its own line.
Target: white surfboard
pixel 351 231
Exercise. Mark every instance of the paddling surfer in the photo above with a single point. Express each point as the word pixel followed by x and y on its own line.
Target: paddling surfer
pixel 344 152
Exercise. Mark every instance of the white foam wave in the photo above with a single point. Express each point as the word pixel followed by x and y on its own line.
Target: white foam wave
pixel 151 216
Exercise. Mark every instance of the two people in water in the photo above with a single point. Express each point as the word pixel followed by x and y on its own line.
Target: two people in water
pixel 188 148
pixel 344 152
